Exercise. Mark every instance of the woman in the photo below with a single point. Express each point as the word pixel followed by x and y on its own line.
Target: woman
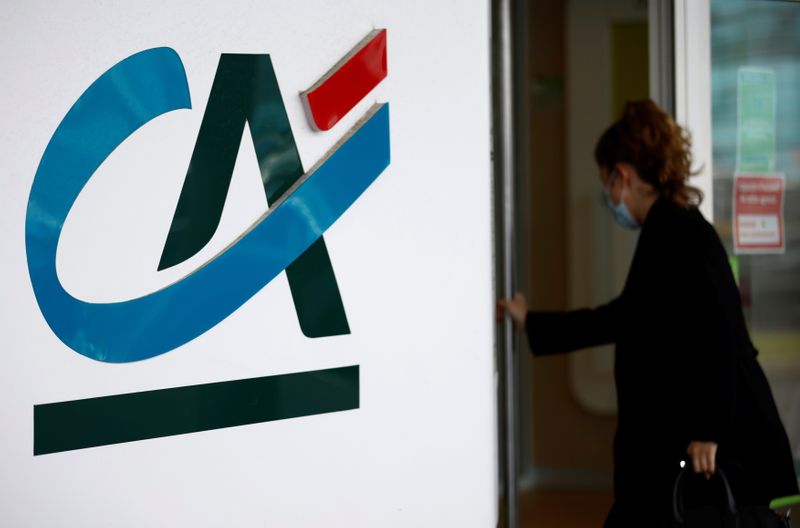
pixel 687 378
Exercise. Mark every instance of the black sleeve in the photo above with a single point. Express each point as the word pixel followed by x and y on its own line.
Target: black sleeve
pixel 559 332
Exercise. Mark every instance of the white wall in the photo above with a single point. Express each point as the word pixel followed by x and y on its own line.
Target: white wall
pixel 412 258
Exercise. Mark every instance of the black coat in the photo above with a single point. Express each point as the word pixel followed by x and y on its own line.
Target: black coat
pixel 685 367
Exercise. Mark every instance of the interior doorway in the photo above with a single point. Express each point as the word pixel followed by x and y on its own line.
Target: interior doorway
pixel 577 61
pixel 580 60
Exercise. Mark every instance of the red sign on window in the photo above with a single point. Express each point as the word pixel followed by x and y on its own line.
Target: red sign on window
pixel 758 213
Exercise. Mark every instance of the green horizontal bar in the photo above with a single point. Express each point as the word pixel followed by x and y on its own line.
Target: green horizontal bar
pixel 78 424
pixel 784 502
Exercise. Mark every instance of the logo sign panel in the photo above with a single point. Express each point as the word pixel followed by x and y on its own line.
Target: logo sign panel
pixel 244 398
pixel 289 237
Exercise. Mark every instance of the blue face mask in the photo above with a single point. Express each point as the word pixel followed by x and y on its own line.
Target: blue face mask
pixel 621 212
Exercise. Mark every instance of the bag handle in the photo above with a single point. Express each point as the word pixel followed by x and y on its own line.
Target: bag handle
pixel 677 497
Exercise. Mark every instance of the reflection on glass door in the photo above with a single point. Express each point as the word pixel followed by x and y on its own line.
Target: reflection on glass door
pixel 755 82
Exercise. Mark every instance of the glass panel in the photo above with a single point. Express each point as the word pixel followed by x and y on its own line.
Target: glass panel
pixel 755 54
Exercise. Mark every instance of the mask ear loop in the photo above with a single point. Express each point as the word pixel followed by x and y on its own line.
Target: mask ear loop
pixel 612 175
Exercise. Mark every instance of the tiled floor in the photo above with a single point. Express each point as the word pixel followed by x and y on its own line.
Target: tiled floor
pixel 563 509
pixel 567 509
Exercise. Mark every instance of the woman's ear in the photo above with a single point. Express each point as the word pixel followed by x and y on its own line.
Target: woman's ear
pixel 625 173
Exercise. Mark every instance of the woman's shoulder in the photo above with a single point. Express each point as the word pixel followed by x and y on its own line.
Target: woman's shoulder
pixel 678 227
pixel 671 217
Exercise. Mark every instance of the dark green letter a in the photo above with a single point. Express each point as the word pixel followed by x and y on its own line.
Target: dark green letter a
pixel 245 90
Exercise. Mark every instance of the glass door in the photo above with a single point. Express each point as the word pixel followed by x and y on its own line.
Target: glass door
pixel 737 90
pixel 755 95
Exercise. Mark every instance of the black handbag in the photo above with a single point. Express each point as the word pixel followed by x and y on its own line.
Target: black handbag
pixel 722 512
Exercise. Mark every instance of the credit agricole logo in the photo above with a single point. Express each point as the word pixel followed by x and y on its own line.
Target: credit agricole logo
pixel 303 204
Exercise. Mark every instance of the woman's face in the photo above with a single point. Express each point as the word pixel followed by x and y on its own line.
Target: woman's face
pixel 615 183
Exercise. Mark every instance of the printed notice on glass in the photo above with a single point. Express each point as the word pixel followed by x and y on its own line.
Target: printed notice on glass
pixel 758 213
pixel 755 150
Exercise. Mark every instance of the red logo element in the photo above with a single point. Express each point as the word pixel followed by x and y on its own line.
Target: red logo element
pixel 348 82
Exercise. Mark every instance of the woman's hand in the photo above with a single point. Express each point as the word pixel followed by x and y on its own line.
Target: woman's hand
pixel 516 308
pixel 704 457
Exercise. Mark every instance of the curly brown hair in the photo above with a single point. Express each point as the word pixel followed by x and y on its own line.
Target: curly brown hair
pixel 660 150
